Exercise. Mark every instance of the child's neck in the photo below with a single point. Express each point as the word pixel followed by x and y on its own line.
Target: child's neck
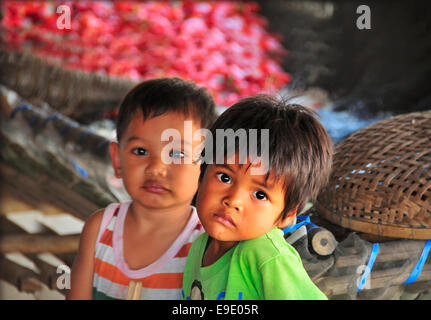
pixel 148 233
pixel 159 219
pixel 215 250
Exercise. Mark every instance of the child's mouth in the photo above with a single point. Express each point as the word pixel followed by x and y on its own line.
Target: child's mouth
pixel 154 187
pixel 224 219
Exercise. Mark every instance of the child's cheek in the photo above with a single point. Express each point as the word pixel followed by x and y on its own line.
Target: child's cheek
pixel 213 185
pixel 206 194
pixel 200 202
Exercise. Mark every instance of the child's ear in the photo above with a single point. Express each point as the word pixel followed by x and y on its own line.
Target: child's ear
pixel 114 150
pixel 287 221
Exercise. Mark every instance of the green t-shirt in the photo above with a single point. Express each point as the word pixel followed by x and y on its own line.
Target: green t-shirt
pixel 263 268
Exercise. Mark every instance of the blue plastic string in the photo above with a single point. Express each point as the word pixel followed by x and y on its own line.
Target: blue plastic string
pixel 66 128
pixel 79 169
pixel 370 264
pixel 302 220
pixel 20 108
pixel 420 264
pixel 53 117
pixel 313 227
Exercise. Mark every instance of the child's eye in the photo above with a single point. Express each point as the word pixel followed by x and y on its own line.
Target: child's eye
pixel 176 154
pixel 260 195
pixel 223 177
pixel 140 151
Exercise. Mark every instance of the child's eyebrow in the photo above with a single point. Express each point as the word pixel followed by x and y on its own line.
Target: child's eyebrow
pixel 132 138
pixel 262 184
pixel 183 142
pixel 224 165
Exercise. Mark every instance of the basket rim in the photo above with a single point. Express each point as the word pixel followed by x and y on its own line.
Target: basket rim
pixel 380 229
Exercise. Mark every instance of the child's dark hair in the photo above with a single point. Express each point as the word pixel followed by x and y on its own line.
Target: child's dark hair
pixel 300 149
pixel 157 96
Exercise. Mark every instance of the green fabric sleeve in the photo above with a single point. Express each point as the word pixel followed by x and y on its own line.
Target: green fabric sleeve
pixel 283 277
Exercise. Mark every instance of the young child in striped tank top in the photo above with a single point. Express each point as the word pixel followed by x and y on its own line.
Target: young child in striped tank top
pixel 145 241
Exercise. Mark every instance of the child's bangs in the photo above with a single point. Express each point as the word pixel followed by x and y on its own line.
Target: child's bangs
pixel 238 147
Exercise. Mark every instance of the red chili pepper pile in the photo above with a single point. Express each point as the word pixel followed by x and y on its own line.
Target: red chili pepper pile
pixel 222 45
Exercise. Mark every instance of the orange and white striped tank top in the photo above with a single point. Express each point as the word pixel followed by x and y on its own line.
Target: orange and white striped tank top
pixel 161 280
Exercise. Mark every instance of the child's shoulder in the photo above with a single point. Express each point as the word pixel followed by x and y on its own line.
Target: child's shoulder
pixel 95 220
pixel 268 246
pixel 92 225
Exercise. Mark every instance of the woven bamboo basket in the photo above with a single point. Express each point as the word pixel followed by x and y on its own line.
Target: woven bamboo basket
pixel 381 179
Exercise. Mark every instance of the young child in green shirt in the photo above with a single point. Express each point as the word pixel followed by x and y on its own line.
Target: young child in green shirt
pixel 245 198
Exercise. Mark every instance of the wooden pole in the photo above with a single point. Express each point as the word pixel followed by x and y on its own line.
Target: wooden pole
pixel 26 243
pixel 74 93
pixel 333 286
pixel 322 241
pixel 134 291
pixel 41 187
pixel 21 277
pixel 389 251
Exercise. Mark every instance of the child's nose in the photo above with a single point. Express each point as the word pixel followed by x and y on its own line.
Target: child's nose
pixel 233 200
pixel 156 167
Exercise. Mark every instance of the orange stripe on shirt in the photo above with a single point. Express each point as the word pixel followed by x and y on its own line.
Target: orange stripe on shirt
pixel 184 251
pixel 106 238
pixel 154 281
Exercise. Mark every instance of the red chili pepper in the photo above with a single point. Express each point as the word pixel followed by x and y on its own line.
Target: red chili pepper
pixel 221 45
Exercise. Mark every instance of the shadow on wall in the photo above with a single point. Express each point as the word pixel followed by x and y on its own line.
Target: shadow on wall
pixel 383 69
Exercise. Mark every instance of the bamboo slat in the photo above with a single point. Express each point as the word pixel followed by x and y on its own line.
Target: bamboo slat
pixel 27 243
pixel 73 93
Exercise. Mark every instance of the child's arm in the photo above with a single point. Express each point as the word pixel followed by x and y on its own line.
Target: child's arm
pixel 82 270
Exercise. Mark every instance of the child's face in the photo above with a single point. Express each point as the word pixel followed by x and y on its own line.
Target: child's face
pixel 234 205
pixel 140 160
